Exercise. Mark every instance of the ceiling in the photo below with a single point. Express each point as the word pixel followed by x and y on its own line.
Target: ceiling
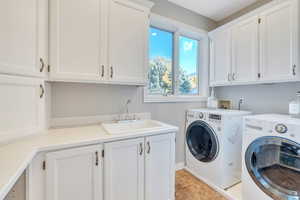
pixel 214 9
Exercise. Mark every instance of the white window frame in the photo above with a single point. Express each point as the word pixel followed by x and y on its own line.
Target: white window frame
pixel 181 29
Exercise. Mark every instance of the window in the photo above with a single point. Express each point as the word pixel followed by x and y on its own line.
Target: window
pixel 177 63
pixel 188 66
pixel 160 72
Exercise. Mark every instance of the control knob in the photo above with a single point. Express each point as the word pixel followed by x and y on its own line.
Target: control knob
pixel 281 128
pixel 201 115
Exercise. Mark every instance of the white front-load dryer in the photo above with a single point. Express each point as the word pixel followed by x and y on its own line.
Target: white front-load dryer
pixel 271 158
pixel 213 146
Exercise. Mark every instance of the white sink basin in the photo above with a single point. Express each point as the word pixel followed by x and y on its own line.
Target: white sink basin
pixel 131 126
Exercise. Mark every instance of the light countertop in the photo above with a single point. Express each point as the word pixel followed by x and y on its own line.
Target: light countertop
pixel 16 156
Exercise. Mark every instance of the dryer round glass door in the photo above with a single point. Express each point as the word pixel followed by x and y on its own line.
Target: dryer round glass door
pixel 274 165
pixel 202 141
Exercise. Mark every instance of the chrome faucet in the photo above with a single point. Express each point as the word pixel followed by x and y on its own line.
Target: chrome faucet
pixel 127 109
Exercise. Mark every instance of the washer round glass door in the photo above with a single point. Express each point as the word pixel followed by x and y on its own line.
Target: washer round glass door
pixel 274 165
pixel 202 141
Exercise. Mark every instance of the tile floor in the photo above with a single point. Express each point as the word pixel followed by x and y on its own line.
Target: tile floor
pixel 189 187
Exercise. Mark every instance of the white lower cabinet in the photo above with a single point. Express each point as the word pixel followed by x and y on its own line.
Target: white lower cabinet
pixel 160 167
pixel 140 169
pixel 74 174
pixel 124 170
pixel 133 169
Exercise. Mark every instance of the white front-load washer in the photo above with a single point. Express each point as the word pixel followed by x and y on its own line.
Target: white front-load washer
pixel 271 158
pixel 213 145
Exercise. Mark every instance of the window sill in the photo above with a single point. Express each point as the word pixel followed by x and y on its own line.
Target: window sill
pixel 174 99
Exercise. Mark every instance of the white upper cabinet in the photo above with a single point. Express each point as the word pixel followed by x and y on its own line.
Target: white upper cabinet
pixel 263 46
pixel 245 51
pixel 159 167
pixel 74 174
pixel 22 106
pixel 124 170
pixel 220 56
pixel 99 41
pixel 23 37
pixel 77 42
pixel 279 43
pixel 128 39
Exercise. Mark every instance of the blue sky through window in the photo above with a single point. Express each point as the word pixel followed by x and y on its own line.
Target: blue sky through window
pixel 161 45
pixel 188 54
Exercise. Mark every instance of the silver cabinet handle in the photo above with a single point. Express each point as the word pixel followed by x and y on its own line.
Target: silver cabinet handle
pixel 42 65
pixel 141 149
pixel 149 147
pixel 233 76
pixel 294 70
pixel 97 158
pixel 42 91
pixel 102 71
pixel 111 72
pixel 228 77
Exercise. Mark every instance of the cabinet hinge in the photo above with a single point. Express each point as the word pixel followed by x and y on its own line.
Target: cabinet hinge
pixel 48 68
pixel 258 75
pixel 102 153
pixel 44 165
pixel 259 20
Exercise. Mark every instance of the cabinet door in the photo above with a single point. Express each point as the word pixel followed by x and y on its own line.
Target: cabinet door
pixel 77 41
pixel 279 41
pixel 124 170
pixel 22 106
pixel 245 51
pixel 35 178
pixel 160 167
pixel 74 174
pixel 128 38
pixel 23 37
pixel 220 57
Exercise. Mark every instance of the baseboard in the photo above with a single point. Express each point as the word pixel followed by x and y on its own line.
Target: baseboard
pixel 180 166
pixel 213 186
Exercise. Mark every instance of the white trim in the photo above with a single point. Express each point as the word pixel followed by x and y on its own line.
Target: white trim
pixel 179 166
pixel 181 29
pixel 87 120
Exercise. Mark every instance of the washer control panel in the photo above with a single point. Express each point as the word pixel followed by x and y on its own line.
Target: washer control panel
pixel 201 115
pixel 215 117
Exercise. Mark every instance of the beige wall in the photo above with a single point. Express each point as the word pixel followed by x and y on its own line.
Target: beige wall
pixel 167 9
pixel 258 4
